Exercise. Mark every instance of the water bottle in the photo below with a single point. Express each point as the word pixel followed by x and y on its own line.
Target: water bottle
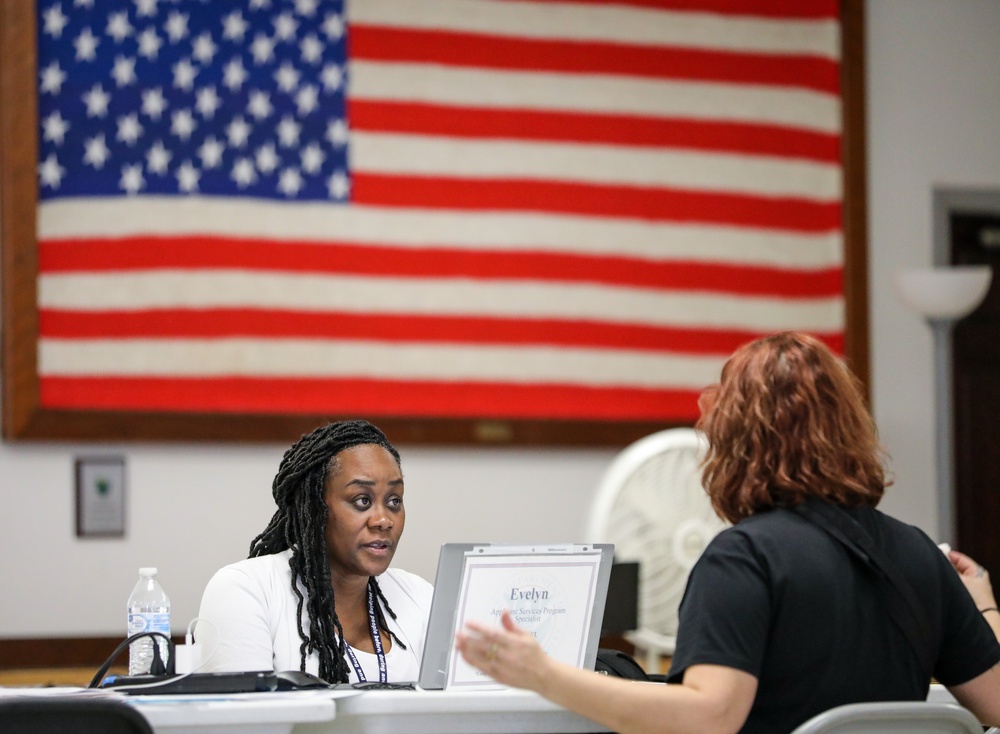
pixel 148 611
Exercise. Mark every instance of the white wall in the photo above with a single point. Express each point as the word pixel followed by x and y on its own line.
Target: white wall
pixel 195 508
pixel 934 119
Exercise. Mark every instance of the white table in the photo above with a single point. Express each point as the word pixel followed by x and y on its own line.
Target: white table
pixel 939 694
pixel 244 713
pixel 374 712
pixel 451 712
pixel 362 712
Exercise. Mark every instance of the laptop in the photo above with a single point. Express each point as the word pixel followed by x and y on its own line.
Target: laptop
pixel 557 591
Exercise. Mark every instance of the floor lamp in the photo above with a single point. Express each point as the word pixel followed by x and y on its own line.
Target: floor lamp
pixel 942 296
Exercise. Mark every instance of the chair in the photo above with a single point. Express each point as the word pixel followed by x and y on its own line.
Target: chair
pixel 651 504
pixel 70 714
pixel 893 717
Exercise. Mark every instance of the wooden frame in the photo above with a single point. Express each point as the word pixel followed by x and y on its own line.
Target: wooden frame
pixel 24 418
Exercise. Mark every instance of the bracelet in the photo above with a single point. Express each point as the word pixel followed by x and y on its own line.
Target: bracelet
pixel 989 609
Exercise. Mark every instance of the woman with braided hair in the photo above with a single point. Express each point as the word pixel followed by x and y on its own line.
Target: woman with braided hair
pixel 317 593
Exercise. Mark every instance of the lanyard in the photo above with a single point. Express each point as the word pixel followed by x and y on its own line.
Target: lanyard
pixel 376 641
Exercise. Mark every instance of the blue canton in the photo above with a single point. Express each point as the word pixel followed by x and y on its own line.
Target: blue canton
pixel 193 97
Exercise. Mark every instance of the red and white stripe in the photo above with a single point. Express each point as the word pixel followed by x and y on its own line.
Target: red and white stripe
pixel 571 210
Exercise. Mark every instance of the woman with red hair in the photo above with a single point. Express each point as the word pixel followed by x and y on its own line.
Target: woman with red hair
pixel 789 612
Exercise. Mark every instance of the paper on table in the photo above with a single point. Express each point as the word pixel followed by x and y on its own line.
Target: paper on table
pixel 552 597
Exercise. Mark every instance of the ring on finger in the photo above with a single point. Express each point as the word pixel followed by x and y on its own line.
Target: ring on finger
pixel 492 654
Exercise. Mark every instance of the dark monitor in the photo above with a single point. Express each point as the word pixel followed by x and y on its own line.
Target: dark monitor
pixel 621 610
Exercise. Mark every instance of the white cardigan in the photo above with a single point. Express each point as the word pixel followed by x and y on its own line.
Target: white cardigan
pixel 247 621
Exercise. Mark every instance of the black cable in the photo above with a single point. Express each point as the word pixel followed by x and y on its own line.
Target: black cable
pixel 156 666
pixel 95 683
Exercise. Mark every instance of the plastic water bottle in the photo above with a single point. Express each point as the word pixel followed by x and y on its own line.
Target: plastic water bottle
pixel 148 611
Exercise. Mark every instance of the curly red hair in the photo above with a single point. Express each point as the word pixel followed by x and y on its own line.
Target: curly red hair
pixel 788 421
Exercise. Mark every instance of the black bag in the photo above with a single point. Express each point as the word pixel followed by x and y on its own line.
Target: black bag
pixel 618 664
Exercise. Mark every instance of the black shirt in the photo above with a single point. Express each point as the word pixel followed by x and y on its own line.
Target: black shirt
pixel 777 597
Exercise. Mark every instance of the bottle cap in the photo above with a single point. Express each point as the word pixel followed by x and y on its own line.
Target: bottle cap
pixel 147 571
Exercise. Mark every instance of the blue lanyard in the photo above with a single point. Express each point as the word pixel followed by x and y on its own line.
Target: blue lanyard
pixel 376 641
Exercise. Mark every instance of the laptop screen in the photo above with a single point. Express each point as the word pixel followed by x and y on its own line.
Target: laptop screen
pixel 558 592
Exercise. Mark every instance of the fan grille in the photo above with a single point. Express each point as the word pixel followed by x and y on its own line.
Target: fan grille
pixel 663 519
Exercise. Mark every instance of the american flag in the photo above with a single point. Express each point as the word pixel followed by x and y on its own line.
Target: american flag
pixel 431 208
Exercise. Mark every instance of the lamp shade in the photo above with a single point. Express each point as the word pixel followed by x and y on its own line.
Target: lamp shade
pixel 946 292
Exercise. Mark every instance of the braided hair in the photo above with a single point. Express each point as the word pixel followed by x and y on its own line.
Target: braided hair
pixel 299 524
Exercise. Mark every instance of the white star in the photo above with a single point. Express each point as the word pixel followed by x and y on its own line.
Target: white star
pixel 305 8
pixel 287 78
pixel 83 3
pixel 184 74
pixel 306 99
pixel 211 152
pixel 290 182
pixel 267 158
pixel 145 8
pixel 207 102
pixel 129 129
pixel 338 185
pixel 336 133
pixel 54 128
pixel 177 26
pixel 285 26
pixel 97 101
pixel 259 4
pixel 55 21
pixel 96 151
pixel 50 172
pixel 52 78
pixel 153 103
pixel 312 158
pixel 149 43
pixel 234 75
pixel 311 49
pixel 187 177
pixel 243 173
pixel 262 49
pixel 124 71
pixel 333 26
pixel 332 77
pixel 182 124
pixel 259 105
pixel 234 27
pixel 118 26
pixel 203 49
pixel 132 180
pixel 238 131
pixel 158 158
pixel 86 45
pixel 288 132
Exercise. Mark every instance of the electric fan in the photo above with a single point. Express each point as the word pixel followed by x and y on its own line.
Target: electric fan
pixel 651 505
